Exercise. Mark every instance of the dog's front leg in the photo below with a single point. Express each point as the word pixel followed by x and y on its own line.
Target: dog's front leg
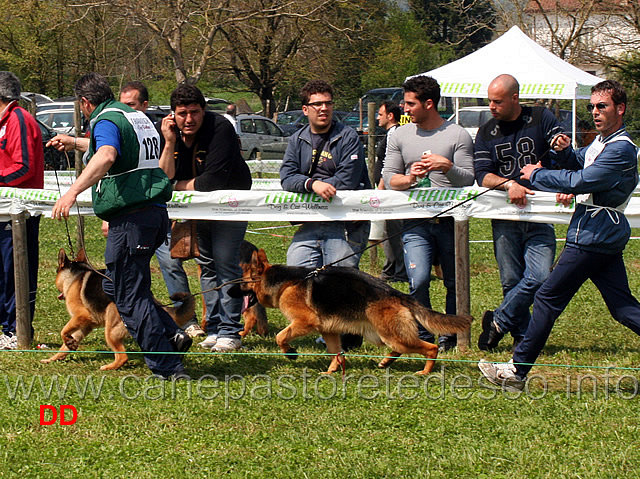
pixel 294 330
pixel 71 334
pixel 430 351
pixel 332 341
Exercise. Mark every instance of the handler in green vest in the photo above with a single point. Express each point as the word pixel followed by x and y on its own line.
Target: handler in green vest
pixel 130 191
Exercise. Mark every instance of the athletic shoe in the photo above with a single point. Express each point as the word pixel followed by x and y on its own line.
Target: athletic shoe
pixel 179 377
pixel 502 374
pixel 209 342
pixel 181 341
pixel 9 341
pixel 194 330
pixel 447 342
pixel 490 336
pixel 225 344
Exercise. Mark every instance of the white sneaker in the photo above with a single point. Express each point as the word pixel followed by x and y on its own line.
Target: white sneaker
pixel 194 330
pixel 502 374
pixel 209 342
pixel 225 344
pixel 9 341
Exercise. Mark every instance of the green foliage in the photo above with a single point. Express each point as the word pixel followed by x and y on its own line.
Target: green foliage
pixel 465 24
pixel 405 49
pixel 628 69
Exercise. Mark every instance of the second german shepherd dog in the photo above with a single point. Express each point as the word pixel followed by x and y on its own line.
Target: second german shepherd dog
pixel 80 287
pixel 345 300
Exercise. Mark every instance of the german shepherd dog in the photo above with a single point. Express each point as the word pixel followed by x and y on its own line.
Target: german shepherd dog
pixel 253 312
pixel 339 300
pixel 80 287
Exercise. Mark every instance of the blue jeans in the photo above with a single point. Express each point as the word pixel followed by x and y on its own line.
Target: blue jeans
pixel 525 253
pixel 219 243
pixel 574 267
pixel 316 244
pixel 424 241
pixel 131 242
pixel 172 271
pixel 7 275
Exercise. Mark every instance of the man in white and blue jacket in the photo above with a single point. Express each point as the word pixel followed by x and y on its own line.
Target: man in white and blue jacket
pixel 602 177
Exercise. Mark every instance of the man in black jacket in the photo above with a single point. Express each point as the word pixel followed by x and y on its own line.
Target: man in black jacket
pixel 201 153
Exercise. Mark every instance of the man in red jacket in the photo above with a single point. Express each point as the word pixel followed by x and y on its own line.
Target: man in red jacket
pixel 21 166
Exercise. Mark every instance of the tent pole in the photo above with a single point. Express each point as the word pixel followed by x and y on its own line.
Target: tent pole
pixel 574 122
pixel 457 108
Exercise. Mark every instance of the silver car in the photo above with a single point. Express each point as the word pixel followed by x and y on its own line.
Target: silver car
pixel 260 134
pixel 59 120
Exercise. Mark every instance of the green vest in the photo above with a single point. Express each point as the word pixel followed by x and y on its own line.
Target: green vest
pixel 135 180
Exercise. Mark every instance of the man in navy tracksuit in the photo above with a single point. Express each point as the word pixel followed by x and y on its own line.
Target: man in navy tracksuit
pixel 603 177
pixel 130 191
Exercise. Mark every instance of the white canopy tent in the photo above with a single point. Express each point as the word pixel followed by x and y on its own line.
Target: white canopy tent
pixel 540 73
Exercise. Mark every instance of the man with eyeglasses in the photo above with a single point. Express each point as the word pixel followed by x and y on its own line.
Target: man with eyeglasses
pixel 323 157
pixel 602 177
pixel 516 136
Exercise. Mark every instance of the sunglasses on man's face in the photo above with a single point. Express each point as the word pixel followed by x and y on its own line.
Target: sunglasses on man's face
pixel 599 106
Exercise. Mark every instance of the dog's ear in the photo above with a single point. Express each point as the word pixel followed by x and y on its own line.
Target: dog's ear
pixel 62 258
pixel 81 256
pixel 263 256
pixel 259 261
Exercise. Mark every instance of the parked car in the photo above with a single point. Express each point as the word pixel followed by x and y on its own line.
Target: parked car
pixel 157 113
pixel 293 120
pixel 59 120
pixel 53 159
pixel 55 105
pixel 378 95
pixel 260 134
pixel 353 120
pixel 39 97
pixel 218 105
pixel 471 118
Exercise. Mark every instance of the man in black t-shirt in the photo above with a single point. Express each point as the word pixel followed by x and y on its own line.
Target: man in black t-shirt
pixel 516 136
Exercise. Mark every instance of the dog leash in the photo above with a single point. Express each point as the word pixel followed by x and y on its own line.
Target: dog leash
pixel 493 188
pixel 317 271
pixel 66 224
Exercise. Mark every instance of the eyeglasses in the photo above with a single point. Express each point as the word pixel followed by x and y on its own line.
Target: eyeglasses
pixel 599 106
pixel 319 104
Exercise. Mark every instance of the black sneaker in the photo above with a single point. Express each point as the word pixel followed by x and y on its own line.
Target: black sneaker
pixel 181 341
pixel 490 336
pixel 447 342
pixel 175 377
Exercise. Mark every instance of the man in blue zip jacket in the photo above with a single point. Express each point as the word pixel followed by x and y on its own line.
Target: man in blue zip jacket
pixel 603 177
pixel 323 157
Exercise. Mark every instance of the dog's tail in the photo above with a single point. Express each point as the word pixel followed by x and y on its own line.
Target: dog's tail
pixel 185 310
pixel 438 323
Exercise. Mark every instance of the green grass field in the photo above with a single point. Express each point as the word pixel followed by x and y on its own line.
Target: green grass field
pixel 257 414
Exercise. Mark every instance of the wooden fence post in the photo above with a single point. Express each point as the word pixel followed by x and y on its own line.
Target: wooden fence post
pixel 463 295
pixel 21 275
pixel 78 157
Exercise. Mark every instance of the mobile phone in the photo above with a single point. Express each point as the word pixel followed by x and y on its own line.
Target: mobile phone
pixel 175 127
